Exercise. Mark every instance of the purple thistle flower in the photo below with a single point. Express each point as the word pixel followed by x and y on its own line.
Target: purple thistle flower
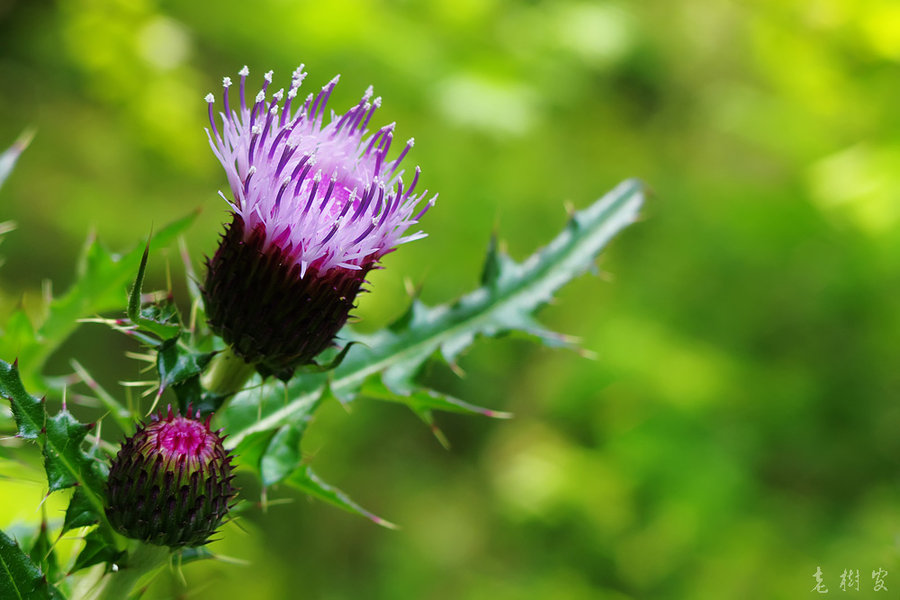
pixel 315 207
pixel 170 483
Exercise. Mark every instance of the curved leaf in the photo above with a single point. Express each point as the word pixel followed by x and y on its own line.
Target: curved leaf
pixel 305 480
pixel 510 294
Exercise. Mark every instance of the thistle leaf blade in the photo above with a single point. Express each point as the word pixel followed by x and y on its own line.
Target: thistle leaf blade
pixel 28 411
pixel 65 462
pixel 424 399
pixel 95 551
pixel 308 482
pixel 282 456
pixel 42 552
pixel 512 293
pixel 20 577
pixel 60 438
pixel 176 364
pixel 160 319
pixel 81 511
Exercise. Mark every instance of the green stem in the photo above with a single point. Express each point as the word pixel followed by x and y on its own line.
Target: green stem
pixel 227 373
pixel 145 561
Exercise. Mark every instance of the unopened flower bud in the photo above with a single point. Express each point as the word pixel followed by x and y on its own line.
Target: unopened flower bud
pixel 170 483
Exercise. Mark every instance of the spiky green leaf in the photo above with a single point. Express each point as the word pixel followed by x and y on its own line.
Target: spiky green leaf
pixel 384 365
pixel 426 400
pixel 161 319
pixel 61 438
pixel 423 402
pixel 20 577
pixel 176 363
pixel 510 294
pixel 252 410
pixel 27 410
pixel 100 285
pixel 307 481
pixel 64 460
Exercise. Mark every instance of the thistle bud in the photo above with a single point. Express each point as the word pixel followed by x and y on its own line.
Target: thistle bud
pixel 170 483
pixel 316 205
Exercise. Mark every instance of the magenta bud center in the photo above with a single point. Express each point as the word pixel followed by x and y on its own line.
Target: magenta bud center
pixel 182 437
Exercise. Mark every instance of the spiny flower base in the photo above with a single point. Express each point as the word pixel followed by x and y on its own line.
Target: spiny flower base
pixel 266 309
pixel 170 483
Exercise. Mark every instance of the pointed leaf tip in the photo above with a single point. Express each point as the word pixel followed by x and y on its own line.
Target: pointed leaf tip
pixel 490 272
pixel 11 155
pixel 307 481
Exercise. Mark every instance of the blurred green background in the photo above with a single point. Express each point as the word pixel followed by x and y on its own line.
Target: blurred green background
pixel 739 427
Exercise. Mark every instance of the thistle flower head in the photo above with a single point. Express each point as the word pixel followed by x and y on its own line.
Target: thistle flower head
pixel 170 483
pixel 325 193
pixel 316 203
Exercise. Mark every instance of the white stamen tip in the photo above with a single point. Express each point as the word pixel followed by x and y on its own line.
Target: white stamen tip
pixel 278 95
pixel 369 91
pixel 251 170
pixel 335 79
pixel 411 142
pixel 292 94
pixel 268 76
pixel 210 98
pixel 256 130
pixel 318 176
pixel 244 72
pixel 377 102
pixel 226 82
pixel 260 96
